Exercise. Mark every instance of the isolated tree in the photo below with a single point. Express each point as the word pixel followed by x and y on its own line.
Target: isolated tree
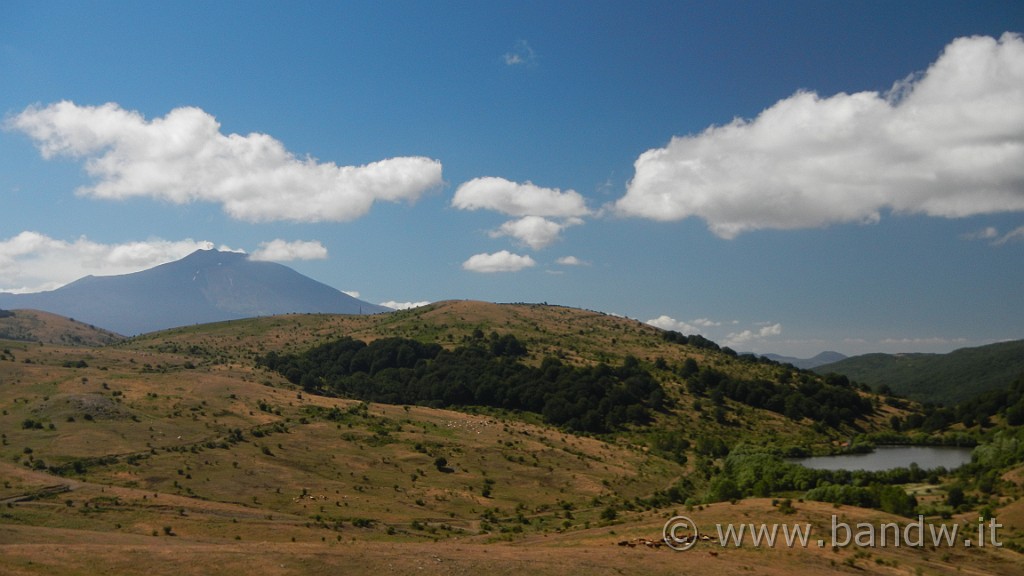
pixel 689 368
pixel 955 497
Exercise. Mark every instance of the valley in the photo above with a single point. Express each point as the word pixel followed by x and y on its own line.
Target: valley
pixel 178 452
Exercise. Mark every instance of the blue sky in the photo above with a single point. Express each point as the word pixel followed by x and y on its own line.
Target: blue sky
pixel 784 177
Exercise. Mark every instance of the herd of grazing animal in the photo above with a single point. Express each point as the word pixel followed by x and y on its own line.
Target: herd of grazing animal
pixel 640 541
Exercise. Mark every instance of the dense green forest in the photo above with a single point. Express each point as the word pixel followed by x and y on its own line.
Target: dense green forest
pixel 831 401
pixel 1008 403
pixel 485 372
pixel 981 410
pixel 488 371
pixel 937 378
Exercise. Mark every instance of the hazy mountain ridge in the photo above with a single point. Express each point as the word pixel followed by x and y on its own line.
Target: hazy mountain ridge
pixel 206 286
pixel 947 378
pixel 819 359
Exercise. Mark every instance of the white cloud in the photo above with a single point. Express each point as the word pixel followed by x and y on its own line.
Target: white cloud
pixel 31 262
pixel 948 142
pixel 920 343
pixel 1013 235
pixel 695 326
pixel 534 231
pixel 668 323
pixel 748 337
pixel 284 251
pixel 986 233
pixel 570 261
pixel 183 157
pixel 352 293
pixel 535 207
pixel 992 233
pixel 521 53
pixel 503 261
pixel 705 323
pixel 514 199
pixel 403 305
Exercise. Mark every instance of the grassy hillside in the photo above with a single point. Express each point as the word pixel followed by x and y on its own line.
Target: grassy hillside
pixel 39 326
pixel 175 453
pixel 945 378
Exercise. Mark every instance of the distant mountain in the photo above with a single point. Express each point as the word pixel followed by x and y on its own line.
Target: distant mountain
pixel 941 378
pixel 807 363
pixel 205 286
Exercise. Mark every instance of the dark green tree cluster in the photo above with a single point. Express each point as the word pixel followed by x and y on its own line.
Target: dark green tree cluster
pixel 695 340
pixel 702 343
pixel 1008 403
pixel 930 419
pixel 1003 450
pixel 889 498
pixel 833 400
pixel 5 313
pixel 486 372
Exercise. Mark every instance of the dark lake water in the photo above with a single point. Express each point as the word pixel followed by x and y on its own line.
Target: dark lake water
pixel 889 457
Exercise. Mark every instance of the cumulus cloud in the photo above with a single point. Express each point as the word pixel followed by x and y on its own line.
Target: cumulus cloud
pixel 503 261
pixel 570 261
pixel 535 231
pixel 669 323
pixel 403 305
pixel 543 213
pixel 284 251
pixel 515 199
pixel 184 157
pixel 948 142
pixel 31 262
pixel 747 337
pixel 695 326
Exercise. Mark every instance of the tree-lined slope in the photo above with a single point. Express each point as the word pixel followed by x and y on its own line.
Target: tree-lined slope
pixel 947 378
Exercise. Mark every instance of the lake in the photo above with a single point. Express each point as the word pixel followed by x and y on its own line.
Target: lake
pixel 889 457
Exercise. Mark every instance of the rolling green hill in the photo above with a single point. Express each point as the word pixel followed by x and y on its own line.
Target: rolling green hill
pixel 941 378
